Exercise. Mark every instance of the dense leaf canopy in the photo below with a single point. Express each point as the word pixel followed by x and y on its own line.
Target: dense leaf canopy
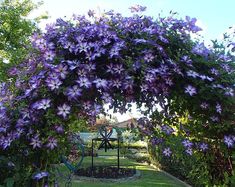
pixel 79 65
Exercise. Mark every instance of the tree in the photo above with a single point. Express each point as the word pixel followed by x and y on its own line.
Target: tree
pixel 15 31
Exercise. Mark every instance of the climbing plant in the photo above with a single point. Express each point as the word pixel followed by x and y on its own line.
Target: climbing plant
pixel 81 64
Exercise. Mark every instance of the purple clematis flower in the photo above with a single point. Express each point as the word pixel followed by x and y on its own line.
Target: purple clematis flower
pixel 148 57
pixel 18 132
pixel 43 104
pixel 49 55
pixel 40 43
pixel 186 59
pixel 204 105
pixel 6 142
pixel 36 142
pixel 203 146
pixel 218 108
pixel 87 105
pixel 110 69
pixel 52 143
pixel 192 24
pixel 189 151
pixel 144 87
pixel 214 71
pixel 119 69
pixel 40 175
pixel 149 77
pixel 167 152
pixel 89 67
pixel 13 71
pixel 69 45
pixel 96 110
pixel 84 82
pixel 91 13
pixel 73 64
pixel 11 164
pixel 200 49
pixel 82 47
pixel 226 67
pixel 4 127
pixel 114 51
pixel 214 118
pixel 190 90
pixel 137 8
pixel 116 83
pixel 228 141
pixel 59 129
pixel 169 81
pixel 136 65
pixel 82 72
pixel 63 110
pixel 187 143
pixel 106 97
pixel 229 92
pixel 62 71
pixel 193 74
pixel 53 84
pixel 53 75
pixel 73 92
pixel 167 129
pixel 101 83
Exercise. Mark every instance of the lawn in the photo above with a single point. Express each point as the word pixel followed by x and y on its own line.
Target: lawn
pixel 150 177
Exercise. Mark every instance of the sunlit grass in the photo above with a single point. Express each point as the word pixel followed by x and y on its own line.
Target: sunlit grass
pixel 150 177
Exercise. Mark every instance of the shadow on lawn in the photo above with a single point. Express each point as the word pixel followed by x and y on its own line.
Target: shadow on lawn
pixel 150 177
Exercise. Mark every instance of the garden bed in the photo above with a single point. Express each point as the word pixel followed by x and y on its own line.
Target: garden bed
pixel 145 176
pixel 106 172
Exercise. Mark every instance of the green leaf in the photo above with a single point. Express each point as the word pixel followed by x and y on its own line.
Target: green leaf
pixel 9 182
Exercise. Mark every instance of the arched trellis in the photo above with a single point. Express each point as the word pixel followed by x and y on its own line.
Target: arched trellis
pixel 77 66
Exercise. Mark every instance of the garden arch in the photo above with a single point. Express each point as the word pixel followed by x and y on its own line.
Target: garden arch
pixel 77 66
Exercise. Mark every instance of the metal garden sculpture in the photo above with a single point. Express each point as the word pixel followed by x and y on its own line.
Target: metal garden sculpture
pixel 106 133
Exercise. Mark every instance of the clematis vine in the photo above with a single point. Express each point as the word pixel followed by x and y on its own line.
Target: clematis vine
pixel 79 65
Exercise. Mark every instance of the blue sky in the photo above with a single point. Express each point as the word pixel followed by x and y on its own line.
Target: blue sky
pixel 214 16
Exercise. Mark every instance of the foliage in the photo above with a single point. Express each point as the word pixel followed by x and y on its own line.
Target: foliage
pixel 191 161
pixel 79 65
pixel 15 30
pixel 195 169
pixel 128 137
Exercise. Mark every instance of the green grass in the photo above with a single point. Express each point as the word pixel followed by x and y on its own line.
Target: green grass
pixel 150 177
